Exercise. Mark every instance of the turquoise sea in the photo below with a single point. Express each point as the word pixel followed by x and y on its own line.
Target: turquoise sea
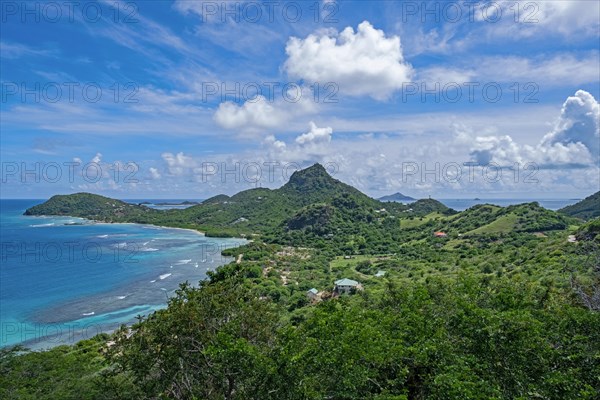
pixel 64 279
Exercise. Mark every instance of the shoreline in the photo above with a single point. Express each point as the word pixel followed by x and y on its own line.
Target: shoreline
pixel 97 222
pixel 44 342
pixel 157 226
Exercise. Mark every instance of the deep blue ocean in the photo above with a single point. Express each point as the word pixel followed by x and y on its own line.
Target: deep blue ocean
pixel 64 279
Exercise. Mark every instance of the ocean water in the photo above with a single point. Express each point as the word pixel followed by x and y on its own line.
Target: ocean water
pixel 163 204
pixel 64 279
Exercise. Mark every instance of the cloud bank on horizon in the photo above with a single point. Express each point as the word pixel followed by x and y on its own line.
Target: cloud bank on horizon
pixel 192 99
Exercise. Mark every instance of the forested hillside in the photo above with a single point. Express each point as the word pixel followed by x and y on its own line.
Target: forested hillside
pixel 587 208
pixel 489 303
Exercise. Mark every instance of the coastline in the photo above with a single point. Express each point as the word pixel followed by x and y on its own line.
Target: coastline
pixel 154 225
pixel 109 312
pixel 96 222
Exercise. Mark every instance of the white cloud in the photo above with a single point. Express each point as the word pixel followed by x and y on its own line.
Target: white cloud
pixel 315 135
pixel 305 149
pixel 210 10
pixel 579 122
pixel 558 70
pixel 374 162
pixel 16 50
pixel 365 62
pixel 574 140
pixel 272 142
pixel 567 18
pixel 154 173
pixel 178 164
pixel 486 23
pixel 256 115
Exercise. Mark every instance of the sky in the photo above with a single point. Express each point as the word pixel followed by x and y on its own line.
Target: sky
pixel 187 99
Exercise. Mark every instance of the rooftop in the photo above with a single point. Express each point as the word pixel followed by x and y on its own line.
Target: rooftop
pixel 346 282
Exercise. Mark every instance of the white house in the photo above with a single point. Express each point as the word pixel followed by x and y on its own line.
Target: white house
pixel 346 285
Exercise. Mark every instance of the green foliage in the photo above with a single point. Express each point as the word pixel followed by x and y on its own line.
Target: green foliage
pixel 495 310
pixel 209 343
pixel 92 206
pixel 587 208
pixel 64 372
pixel 312 204
pixel 590 231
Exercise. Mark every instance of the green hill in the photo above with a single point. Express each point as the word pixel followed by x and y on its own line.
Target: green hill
pixel 587 208
pixel 261 210
pixel 527 217
pixel 314 209
pixel 93 206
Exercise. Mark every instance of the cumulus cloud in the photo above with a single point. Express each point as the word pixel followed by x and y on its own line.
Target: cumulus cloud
pixel 315 135
pixel 256 115
pixel 375 162
pixel 573 142
pixel 275 144
pixel 365 62
pixel 305 149
pixel 579 123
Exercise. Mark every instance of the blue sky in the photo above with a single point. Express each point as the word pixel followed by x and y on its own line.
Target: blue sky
pixel 188 99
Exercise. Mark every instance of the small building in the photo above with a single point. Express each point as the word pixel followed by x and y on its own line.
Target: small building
pixel 380 273
pixel 439 234
pixel 312 294
pixel 346 286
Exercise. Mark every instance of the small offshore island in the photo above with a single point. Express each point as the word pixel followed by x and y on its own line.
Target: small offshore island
pixel 339 295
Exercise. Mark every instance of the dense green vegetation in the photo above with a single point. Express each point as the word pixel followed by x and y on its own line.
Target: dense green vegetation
pixel 506 305
pixel 248 212
pixel 93 206
pixel 587 208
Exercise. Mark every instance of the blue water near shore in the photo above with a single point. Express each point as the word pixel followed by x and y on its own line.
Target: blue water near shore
pixel 64 279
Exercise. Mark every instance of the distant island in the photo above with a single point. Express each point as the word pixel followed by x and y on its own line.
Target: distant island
pixel 397 197
pixel 183 203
